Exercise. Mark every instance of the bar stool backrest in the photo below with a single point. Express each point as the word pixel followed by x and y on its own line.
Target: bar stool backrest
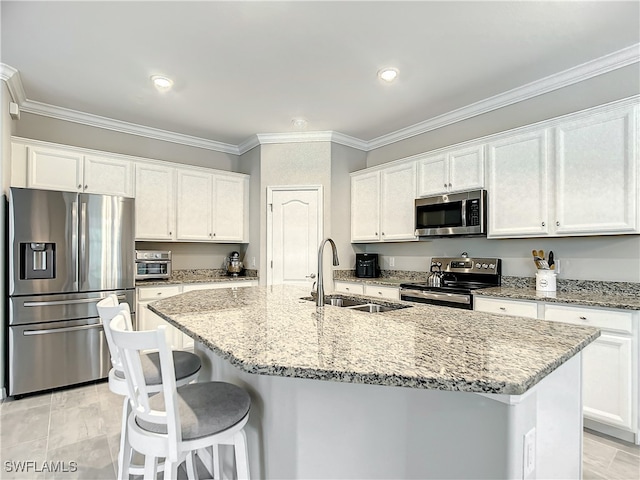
pixel 107 309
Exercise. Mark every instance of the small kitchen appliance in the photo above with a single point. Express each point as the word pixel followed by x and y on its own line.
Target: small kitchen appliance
pixel 456 214
pixel 233 264
pixel 457 278
pixel 367 265
pixel 153 264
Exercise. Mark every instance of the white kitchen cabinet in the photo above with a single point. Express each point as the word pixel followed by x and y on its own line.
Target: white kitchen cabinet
pixel 380 291
pixel 69 170
pixel 610 364
pixel 585 185
pixel 518 308
pixel 155 202
pixel 451 171
pixel 595 174
pixel 365 207
pixel 211 206
pixel 518 185
pixel 147 320
pixel 349 287
pixel 382 204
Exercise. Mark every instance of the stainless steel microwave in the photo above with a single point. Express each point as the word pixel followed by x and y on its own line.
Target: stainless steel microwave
pixel 456 214
pixel 153 264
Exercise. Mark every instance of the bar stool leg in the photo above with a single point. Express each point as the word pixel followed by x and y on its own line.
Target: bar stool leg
pixel 125 453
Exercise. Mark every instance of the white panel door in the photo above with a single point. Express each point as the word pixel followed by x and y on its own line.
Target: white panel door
pixel 229 207
pixel 433 175
pixel 596 164
pixel 397 211
pixel 155 202
pixel 108 176
pixel 365 207
pixel 54 169
pixel 193 211
pixel 518 186
pixel 607 385
pixel 295 236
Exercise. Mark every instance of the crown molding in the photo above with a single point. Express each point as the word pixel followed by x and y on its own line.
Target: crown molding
pixel 12 78
pixel 579 73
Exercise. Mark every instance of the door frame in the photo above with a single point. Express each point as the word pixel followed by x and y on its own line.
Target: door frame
pixel 284 188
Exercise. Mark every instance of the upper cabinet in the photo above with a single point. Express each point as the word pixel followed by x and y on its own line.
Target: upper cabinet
pixel 70 170
pixel 173 202
pixel 155 202
pixel 577 177
pixel 382 204
pixel 451 171
pixel 211 206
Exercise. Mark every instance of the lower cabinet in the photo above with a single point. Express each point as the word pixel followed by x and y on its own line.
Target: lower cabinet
pixel 147 320
pixel 360 288
pixel 610 364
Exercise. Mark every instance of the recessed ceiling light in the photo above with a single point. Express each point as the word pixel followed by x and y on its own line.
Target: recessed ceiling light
pixel 299 124
pixel 162 83
pixel 388 74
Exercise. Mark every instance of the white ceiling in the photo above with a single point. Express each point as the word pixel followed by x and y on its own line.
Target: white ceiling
pixel 242 68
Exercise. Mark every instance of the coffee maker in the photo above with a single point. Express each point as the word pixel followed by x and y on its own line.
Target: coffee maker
pixel 367 265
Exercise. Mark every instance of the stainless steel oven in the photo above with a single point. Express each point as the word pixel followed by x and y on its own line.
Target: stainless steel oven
pixel 153 264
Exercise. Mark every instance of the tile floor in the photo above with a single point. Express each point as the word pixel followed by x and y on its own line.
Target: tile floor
pixel 82 425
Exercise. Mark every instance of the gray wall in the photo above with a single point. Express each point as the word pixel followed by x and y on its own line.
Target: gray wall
pixel 49 129
pixel 249 164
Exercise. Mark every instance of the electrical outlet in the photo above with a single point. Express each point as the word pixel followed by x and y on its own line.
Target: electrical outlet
pixel 392 261
pixel 253 261
pixel 529 455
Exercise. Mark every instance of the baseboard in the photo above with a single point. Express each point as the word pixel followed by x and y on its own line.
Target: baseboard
pixel 612 431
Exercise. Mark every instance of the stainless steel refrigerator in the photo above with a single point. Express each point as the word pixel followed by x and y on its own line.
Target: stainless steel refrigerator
pixel 67 251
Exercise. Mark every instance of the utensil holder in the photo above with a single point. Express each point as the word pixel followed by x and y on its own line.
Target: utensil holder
pixel 546 281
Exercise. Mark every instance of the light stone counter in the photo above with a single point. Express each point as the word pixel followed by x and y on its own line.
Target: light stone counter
pixel 271 331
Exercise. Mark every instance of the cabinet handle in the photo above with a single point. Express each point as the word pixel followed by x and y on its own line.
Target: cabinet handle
pixel 382 233
pixel 557 224
pixel 214 234
pixel 86 186
pixel 583 318
pixel 209 234
pixel 376 234
pixel 445 185
pixel 543 224
pixel 503 309
pixel 159 293
pixel 346 288
pixel 170 233
pixel 80 186
pixel 449 185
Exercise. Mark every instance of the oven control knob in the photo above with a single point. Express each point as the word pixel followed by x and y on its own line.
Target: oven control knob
pixel 484 265
pixel 478 265
pixel 492 266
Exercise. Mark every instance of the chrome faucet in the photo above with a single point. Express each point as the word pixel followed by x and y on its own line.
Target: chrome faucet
pixel 320 299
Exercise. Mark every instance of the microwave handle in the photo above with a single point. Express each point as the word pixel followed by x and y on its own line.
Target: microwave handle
pixel 464 213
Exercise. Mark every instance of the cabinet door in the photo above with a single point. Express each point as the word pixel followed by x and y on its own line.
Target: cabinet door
pixel 466 169
pixel 596 164
pixel 108 176
pixel 349 287
pixel 229 196
pixel 397 208
pixel 503 306
pixel 518 183
pixel 607 380
pixel 194 206
pixel 365 207
pixel 433 175
pixel 155 202
pixel 54 169
pixel 392 293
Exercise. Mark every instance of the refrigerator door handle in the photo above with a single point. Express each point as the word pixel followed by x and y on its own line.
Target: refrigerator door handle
pixel 74 241
pixel 83 241
pixel 61 330
pixel 68 302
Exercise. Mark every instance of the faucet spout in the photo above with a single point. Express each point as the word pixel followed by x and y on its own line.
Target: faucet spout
pixel 320 299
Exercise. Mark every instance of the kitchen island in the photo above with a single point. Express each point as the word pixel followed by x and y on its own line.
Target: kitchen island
pixel 418 392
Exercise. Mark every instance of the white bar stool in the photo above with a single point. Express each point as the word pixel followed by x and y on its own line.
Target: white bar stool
pixel 178 421
pixel 187 367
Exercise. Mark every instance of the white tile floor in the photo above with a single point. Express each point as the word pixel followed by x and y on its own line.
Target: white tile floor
pixel 82 425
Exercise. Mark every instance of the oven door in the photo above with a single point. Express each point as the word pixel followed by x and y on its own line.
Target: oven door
pixel 437 297
pixel 147 269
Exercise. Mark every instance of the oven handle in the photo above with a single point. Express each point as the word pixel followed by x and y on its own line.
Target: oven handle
pixel 60 330
pixel 163 262
pixel 443 297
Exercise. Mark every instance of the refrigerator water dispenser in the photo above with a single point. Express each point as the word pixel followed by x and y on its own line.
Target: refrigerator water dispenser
pixel 37 261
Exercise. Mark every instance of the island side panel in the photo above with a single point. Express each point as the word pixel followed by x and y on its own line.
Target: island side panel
pixel 309 428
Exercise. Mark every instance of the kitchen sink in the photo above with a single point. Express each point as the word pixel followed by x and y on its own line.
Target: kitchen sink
pixel 359 305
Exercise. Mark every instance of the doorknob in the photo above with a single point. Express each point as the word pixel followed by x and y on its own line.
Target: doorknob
pixel 313 275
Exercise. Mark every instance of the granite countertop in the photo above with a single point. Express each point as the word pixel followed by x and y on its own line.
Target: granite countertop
pixel 587 298
pixel 272 331
pixel 199 276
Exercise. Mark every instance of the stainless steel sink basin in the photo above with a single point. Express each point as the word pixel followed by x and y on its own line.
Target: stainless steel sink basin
pixel 359 305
